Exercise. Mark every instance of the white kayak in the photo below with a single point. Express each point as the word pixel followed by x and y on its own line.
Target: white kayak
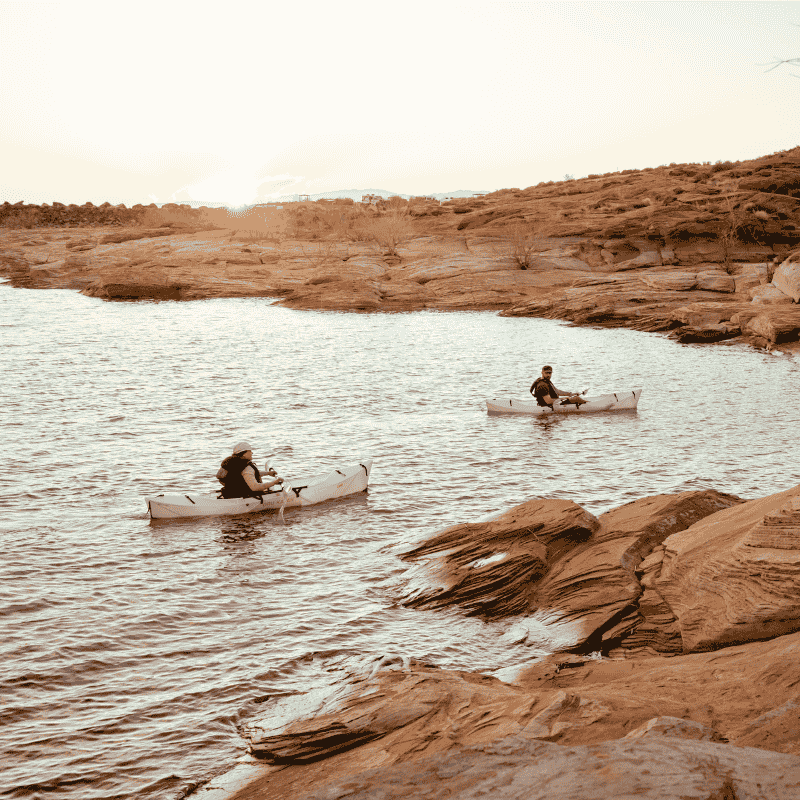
pixel 296 492
pixel 616 401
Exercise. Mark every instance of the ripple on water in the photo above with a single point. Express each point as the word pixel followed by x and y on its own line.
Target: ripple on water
pixel 132 650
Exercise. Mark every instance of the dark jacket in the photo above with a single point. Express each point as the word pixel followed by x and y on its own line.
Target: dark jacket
pixel 234 484
pixel 542 387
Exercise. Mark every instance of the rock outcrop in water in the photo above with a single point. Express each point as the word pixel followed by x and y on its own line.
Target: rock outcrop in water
pixel 690 606
pixel 706 252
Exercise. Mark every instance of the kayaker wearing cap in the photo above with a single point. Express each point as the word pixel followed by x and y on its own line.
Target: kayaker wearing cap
pixel 240 477
pixel 546 394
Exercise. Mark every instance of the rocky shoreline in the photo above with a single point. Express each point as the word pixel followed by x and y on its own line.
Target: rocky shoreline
pixel 706 253
pixel 658 290
pixel 679 618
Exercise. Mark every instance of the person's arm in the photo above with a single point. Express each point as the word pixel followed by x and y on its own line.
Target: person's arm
pixel 250 479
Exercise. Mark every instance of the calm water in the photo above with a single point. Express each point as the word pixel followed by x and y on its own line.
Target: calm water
pixel 130 650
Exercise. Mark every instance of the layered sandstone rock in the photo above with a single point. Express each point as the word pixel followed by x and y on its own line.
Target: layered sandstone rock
pixel 787 277
pixel 660 767
pixel 769 294
pixel 703 725
pixel 736 576
pixel 710 569
pixel 667 238
pixel 489 568
pixel 553 557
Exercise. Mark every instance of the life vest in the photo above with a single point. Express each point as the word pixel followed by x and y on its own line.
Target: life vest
pixel 232 480
pixel 551 390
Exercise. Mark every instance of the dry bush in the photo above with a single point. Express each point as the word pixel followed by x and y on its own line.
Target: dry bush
pixel 733 216
pixel 391 230
pixel 326 253
pixel 523 241
pixel 355 225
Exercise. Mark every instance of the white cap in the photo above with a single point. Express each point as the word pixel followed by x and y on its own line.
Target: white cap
pixel 242 447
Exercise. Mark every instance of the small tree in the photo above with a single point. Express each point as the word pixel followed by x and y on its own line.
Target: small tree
pixel 391 230
pixel 523 241
pixel 732 221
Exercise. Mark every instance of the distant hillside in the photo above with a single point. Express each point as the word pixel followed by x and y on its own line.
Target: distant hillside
pixel 357 194
pixel 752 201
pixel 353 194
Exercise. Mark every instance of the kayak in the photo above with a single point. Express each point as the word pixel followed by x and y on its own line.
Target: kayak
pixel 616 401
pixel 296 492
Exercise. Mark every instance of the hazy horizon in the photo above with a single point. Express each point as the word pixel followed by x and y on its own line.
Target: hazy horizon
pixel 185 103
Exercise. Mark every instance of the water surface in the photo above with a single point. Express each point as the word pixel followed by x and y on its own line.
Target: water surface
pixel 132 649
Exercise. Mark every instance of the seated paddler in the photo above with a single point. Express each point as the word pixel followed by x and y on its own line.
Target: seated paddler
pixel 240 477
pixel 546 393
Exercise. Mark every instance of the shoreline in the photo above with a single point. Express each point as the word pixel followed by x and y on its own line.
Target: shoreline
pixel 657 683
pixel 659 290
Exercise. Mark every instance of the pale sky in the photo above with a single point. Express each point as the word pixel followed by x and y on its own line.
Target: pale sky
pixel 239 101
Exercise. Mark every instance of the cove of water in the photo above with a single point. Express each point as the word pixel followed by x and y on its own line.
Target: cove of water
pixel 131 650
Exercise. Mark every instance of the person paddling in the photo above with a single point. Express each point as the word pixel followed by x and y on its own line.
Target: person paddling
pixel 546 393
pixel 240 477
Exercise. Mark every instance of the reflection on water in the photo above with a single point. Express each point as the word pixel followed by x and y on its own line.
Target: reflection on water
pixel 132 650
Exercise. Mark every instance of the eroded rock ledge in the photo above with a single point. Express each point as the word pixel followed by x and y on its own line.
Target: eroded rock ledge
pixel 680 617
pixel 684 290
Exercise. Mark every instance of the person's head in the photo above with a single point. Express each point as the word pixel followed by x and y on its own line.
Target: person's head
pixel 547 371
pixel 243 450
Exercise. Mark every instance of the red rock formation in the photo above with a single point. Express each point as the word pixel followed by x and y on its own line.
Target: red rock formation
pixel 626 249
pixel 489 568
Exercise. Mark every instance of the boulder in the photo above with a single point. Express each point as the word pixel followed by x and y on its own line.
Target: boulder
pixel 744 283
pixel 698 315
pixel 776 324
pixel 787 277
pixel 715 281
pixel 706 334
pixel 735 576
pixel 769 294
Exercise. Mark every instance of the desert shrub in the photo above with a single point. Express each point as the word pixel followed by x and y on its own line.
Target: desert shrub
pixel 390 230
pixel 326 253
pixel 524 240
pixel 396 202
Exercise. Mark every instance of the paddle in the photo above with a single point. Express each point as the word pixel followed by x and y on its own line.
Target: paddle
pixel 270 471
